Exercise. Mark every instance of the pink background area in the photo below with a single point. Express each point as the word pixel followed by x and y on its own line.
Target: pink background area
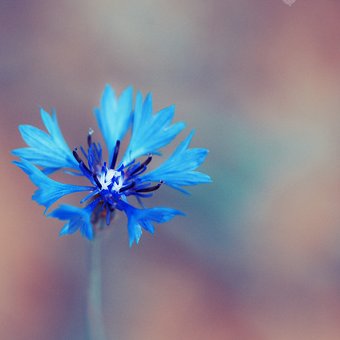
pixel 258 255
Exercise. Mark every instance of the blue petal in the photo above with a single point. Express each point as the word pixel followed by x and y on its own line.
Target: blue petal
pixel 48 150
pixel 79 219
pixel 142 218
pixel 150 132
pixel 114 116
pixel 49 190
pixel 179 169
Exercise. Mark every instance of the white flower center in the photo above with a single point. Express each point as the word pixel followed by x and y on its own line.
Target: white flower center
pixel 111 176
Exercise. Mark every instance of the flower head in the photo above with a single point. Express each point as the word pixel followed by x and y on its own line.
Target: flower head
pixel 111 184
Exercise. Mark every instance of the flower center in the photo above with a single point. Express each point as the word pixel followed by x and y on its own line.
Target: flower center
pixel 110 176
pixel 113 184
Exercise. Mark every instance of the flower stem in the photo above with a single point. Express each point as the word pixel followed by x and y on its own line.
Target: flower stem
pixel 94 303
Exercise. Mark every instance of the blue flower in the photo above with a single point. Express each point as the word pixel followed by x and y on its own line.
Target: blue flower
pixel 41 145
pixel 111 185
pixel 78 219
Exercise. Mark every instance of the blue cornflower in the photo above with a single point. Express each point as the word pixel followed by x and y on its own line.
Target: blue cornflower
pixel 111 184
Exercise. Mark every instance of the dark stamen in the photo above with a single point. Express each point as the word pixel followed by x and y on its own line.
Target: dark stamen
pixel 138 170
pixel 127 187
pixel 79 160
pixel 142 165
pixel 115 155
pixel 148 160
pixel 76 156
pixel 155 187
pixel 97 181
pixel 89 137
pixel 89 172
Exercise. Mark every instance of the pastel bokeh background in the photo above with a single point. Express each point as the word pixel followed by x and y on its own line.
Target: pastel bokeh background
pixel 258 255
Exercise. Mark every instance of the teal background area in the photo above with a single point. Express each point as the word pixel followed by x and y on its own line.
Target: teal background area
pixel 258 255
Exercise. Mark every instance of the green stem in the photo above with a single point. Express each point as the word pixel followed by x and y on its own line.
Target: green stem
pixel 95 315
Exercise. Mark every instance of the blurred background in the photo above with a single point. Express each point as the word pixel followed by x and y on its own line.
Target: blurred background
pixel 258 255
